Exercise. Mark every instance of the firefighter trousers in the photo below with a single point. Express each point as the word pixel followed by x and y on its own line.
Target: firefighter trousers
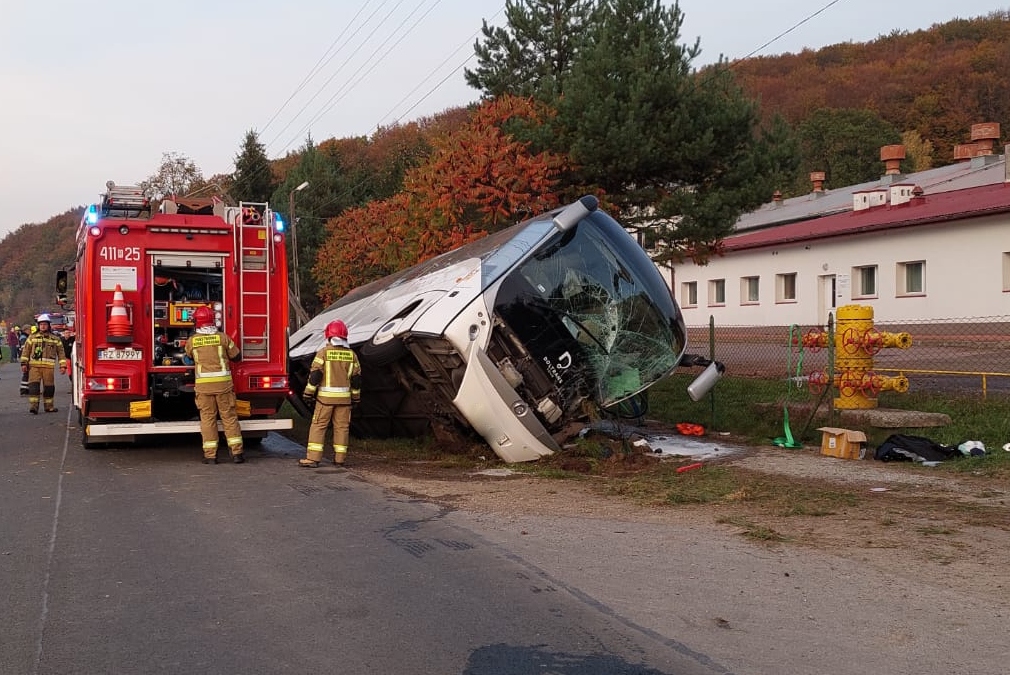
pixel 326 414
pixel 210 405
pixel 41 380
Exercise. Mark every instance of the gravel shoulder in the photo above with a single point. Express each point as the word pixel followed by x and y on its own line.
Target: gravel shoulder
pixel 902 519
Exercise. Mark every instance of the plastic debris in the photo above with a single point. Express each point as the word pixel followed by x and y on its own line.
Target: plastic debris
pixel 972 448
pixel 689 467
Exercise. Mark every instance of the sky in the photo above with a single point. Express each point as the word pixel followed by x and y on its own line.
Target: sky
pixel 97 91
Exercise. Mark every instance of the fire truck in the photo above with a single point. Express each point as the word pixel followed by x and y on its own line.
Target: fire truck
pixel 139 277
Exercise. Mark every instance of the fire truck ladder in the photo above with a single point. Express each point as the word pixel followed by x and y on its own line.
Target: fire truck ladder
pixel 253 246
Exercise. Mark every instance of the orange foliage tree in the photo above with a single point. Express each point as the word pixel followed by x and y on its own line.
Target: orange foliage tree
pixel 477 179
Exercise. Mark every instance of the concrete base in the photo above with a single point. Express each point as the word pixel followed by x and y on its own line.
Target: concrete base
pixel 890 418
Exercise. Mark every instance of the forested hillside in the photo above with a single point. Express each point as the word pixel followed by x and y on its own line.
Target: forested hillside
pixel 937 82
pixel 29 259
pixel 650 135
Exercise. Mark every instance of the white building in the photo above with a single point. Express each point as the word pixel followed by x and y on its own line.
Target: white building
pixel 934 245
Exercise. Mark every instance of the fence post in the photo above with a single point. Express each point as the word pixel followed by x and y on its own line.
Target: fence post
pixel 711 356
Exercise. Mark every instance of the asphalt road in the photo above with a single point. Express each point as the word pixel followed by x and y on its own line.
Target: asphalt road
pixel 144 560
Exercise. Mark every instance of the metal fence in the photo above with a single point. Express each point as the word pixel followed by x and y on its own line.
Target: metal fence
pixel 963 356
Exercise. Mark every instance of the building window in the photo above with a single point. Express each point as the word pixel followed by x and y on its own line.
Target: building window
pixel 785 287
pixel 749 291
pixel 911 278
pixel 717 292
pixel 689 293
pixel 866 281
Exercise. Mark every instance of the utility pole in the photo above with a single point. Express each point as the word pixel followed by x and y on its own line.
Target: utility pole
pixel 299 311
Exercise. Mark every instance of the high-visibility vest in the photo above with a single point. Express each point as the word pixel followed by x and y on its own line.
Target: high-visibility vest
pixel 210 353
pixel 338 366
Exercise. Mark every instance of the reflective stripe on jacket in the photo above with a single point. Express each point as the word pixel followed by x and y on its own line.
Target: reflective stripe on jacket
pixel 338 365
pixel 44 350
pixel 210 353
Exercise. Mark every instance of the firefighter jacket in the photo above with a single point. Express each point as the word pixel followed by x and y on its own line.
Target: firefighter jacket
pixel 211 353
pixel 334 378
pixel 43 350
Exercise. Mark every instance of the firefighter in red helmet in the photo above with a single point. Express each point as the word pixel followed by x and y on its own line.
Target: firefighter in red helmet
pixel 211 350
pixel 334 384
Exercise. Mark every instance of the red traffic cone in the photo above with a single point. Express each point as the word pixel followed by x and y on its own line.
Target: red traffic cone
pixel 119 320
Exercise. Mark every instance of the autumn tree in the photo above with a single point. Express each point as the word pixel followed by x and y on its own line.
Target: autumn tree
pixel 478 179
pixel 253 177
pixel 534 55
pixel 176 175
pixel 919 151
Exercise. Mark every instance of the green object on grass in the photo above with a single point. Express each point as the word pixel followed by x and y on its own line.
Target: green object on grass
pixel 788 441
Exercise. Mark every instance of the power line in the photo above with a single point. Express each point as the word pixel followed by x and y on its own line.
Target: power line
pixel 350 85
pixel 335 73
pixel 320 63
pixel 791 29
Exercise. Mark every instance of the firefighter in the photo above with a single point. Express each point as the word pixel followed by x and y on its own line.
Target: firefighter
pixel 210 350
pixel 42 352
pixel 334 384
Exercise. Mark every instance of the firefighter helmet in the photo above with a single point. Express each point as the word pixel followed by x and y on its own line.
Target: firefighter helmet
pixel 336 329
pixel 203 316
pixel 43 317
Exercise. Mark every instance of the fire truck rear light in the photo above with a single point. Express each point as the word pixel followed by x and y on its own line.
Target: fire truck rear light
pixel 95 231
pixel 278 238
pixel 107 383
pixel 268 382
pixel 123 229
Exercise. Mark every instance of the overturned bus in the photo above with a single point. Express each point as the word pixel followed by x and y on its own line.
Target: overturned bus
pixel 524 336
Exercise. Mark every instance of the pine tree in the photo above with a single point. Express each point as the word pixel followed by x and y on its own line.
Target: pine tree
pixel 253 179
pixel 678 152
pixel 534 55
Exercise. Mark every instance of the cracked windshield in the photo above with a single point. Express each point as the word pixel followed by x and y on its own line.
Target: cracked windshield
pixel 595 289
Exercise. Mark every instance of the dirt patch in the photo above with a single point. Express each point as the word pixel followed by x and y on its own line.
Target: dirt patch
pixel 906 519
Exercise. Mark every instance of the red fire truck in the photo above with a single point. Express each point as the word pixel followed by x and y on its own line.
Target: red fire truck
pixel 139 278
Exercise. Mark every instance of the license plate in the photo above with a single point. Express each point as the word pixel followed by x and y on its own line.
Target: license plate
pixel 120 355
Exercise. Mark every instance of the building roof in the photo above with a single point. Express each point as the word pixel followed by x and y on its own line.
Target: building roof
pixel 936 207
pixel 985 170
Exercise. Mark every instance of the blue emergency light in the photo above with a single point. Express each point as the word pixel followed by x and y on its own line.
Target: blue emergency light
pixel 92 215
pixel 278 223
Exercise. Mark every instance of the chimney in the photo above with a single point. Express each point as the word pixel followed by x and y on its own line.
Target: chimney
pixel 817 178
pixel 891 156
pixel 918 195
pixel 984 137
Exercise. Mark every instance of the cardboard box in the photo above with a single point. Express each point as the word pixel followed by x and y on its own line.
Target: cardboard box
pixel 843 443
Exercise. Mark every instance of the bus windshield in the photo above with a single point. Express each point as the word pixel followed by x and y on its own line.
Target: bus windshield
pixel 605 324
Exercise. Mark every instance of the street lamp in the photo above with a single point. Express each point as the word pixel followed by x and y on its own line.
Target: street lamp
pixel 294 247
